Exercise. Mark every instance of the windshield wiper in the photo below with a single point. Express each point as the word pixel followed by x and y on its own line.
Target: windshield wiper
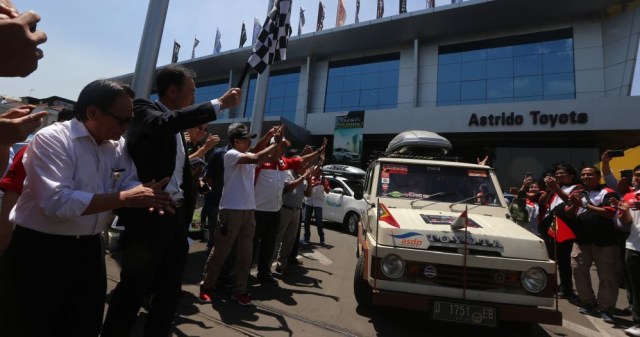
pixel 430 196
pixel 470 198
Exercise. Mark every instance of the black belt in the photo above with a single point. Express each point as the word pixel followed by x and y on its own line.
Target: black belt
pixel 291 208
pixel 35 233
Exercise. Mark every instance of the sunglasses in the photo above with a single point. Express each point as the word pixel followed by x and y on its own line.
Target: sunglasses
pixel 122 121
pixel 203 128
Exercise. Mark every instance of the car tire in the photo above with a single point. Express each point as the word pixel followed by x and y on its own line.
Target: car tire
pixel 351 223
pixel 361 288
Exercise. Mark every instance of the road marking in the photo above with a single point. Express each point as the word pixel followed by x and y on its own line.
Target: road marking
pixel 604 329
pixel 315 255
pixel 586 332
pixel 603 326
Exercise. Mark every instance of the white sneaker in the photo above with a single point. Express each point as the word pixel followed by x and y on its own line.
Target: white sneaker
pixel 633 331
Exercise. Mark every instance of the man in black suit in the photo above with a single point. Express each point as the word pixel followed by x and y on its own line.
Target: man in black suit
pixel 154 246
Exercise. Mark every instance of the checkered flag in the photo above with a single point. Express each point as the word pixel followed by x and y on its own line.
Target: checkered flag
pixel 271 44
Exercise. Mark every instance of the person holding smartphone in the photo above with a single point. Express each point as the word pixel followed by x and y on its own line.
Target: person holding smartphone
pixel 596 244
pixel 609 179
pixel 199 142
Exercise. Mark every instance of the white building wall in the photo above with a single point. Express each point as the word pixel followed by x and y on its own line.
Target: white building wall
pixel 620 44
pixel 588 59
pixel 428 75
pixel 407 73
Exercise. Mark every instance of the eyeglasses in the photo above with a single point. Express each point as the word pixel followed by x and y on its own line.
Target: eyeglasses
pixel 122 121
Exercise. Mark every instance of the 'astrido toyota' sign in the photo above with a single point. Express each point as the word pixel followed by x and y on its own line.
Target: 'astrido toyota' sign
pixel 534 118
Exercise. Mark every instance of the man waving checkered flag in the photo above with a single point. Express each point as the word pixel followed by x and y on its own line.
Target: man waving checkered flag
pixel 271 44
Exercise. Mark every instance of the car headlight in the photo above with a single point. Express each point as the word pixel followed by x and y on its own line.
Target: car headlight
pixel 392 266
pixel 534 280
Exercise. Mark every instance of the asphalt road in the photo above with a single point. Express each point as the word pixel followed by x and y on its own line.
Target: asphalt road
pixel 316 299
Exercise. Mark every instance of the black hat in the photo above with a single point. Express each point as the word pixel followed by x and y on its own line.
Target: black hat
pixel 291 152
pixel 241 133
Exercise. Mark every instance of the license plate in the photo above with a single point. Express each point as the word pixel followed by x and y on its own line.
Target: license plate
pixel 464 313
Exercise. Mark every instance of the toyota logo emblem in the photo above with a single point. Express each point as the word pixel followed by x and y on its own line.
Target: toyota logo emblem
pixel 430 272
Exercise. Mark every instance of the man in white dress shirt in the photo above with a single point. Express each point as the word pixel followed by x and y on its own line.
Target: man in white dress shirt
pixel 52 276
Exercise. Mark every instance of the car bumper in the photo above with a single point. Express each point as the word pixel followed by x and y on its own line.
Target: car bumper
pixel 506 312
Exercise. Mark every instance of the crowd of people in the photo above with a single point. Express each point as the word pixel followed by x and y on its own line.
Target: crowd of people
pixel 62 190
pixel 64 187
pixel 587 218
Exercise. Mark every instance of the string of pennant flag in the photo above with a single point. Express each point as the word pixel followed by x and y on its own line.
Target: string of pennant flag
pixel 341 16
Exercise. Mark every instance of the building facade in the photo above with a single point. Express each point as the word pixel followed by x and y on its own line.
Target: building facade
pixel 529 83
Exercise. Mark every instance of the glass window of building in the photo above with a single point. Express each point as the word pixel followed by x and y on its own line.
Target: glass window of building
pixel 282 94
pixel 528 67
pixel 364 84
pixel 212 90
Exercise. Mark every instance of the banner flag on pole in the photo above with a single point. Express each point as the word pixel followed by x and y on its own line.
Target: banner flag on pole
pixel 301 21
pixel 357 11
pixel 341 15
pixel 320 23
pixel 403 6
pixel 176 50
pixel 461 222
pixel 195 44
pixel 256 30
pixel 217 46
pixel 560 231
pixel 272 42
pixel 243 35
pixel 431 3
pixel 380 11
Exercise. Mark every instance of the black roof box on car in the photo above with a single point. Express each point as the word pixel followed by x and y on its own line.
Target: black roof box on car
pixel 420 143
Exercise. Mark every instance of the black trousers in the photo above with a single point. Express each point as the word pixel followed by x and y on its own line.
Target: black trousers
pixel 265 239
pixel 153 258
pixel 633 269
pixel 561 253
pixel 52 285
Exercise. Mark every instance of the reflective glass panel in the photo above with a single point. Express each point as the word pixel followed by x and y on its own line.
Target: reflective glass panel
pixel 364 84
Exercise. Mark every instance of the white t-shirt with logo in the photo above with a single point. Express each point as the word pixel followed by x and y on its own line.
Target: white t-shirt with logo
pixel 238 190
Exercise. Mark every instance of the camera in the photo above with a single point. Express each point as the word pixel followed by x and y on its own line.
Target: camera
pixel 615 153
pixel 626 174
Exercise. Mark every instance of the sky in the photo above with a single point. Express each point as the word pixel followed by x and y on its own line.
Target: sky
pixel 91 39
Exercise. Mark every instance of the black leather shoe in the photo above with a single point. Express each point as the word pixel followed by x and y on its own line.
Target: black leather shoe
pixel 267 279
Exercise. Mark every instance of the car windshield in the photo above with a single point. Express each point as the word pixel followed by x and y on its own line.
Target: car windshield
pixel 439 183
pixel 355 184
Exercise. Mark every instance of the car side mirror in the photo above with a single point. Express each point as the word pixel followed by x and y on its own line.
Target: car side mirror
pixel 358 195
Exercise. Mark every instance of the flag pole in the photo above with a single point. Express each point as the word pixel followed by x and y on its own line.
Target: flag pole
pixel 260 98
pixel 464 267
pixel 555 253
pixel 143 75
pixel 244 74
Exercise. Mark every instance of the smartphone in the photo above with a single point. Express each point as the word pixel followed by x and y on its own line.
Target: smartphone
pixel 615 153
pixel 626 174
pixel 528 175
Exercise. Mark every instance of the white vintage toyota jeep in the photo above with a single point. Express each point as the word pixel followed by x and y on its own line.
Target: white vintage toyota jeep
pixel 437 237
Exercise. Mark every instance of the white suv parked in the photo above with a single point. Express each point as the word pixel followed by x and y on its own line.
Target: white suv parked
pixel 340 205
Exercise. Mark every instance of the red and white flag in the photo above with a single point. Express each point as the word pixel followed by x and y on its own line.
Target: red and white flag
pixel 461 222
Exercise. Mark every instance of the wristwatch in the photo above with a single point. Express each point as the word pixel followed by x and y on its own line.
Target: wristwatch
pixel 585 203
